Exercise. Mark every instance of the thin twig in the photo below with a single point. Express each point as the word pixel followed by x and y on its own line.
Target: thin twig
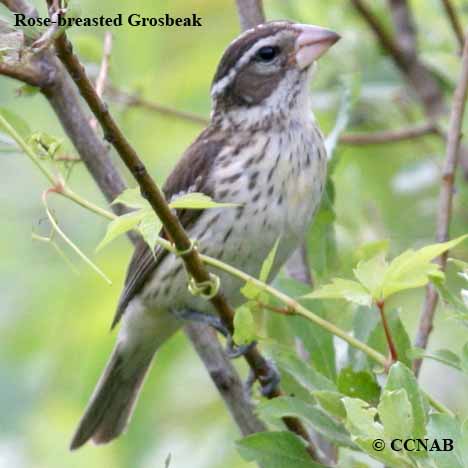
pixel 67 240
pixel 153 194
pixel 50 34
pixel 133 100
pixel 454 22
pixel 390 136
pixel 250 13
pixel 388 332
pixel 103 70
pixel 445 199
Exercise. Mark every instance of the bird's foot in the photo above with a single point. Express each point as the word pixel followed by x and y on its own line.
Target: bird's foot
pixel 232 350
pixel 268 383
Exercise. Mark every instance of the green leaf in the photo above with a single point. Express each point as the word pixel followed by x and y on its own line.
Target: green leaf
pixel 318 344
pixel 331 402
pixel 132 198
pixel 342 289
pixel 361 423
pixel 244 326
pixel 44 144
pixel 276 450
pixel 455 302
pixel 119 226
pixel 149 224
pixel 268 263
pixel 321 239
pixel 28 91
pixel 197 201
pixel 294 407
pixel 459 263
pixel 396 414
pixel 361 418
pixel 370 273
pixel 387 456
pixel 251 290
pixel 440 427
pixel 400 377
pixel 149 227
pixel 358 384
pixel 365 321
pixel 412 269
pixel 372 249
pixel 444 356
pixel 305 374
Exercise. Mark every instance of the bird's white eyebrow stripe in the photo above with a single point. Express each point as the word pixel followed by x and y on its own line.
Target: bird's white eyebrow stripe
pixel 245 58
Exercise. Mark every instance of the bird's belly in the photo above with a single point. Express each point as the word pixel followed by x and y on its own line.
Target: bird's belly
pixel 277 198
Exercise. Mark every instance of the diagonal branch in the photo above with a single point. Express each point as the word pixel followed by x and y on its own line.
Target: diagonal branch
pixel 405 26
pixel 445 198
pixel 454 22
pixel 407 61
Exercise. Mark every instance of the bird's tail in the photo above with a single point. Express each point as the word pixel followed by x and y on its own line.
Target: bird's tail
pixel 114 397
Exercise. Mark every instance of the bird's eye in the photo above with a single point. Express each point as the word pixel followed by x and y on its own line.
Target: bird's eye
pixel 267 53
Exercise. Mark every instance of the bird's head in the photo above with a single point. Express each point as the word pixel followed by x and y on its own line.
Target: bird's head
pixel 267 69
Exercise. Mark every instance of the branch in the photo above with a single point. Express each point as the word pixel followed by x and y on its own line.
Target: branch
pixel 152 193
pixel 445 199
pixel 21 6
pixel 416 73
pixel 454 22
pixel 225 378
pixel 390 136
pixel 404 25
pixel 103 70
pixel 24 73
pixel 133 100
pixel 250 13
pixel 63 98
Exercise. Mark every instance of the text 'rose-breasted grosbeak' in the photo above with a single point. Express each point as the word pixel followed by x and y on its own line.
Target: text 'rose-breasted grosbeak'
pixel 261 150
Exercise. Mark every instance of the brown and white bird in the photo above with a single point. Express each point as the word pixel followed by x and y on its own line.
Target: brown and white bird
pixel 262 150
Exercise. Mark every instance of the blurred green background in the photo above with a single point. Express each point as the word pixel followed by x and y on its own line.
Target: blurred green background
pixel 54 324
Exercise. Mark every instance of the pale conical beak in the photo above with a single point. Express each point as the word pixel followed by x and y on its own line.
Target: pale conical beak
pixel 312 43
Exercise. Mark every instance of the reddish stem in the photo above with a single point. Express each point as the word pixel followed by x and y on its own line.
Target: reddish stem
pixel 388 333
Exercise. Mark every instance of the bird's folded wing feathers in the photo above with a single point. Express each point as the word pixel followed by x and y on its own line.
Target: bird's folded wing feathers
pixel 191 174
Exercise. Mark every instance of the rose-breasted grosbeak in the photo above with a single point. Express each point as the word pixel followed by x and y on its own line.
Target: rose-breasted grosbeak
pixel 261 150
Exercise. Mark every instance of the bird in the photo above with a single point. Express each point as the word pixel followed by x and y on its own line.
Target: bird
pixel 262 151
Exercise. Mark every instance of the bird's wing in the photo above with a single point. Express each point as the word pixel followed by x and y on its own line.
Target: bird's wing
pixel 191 174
